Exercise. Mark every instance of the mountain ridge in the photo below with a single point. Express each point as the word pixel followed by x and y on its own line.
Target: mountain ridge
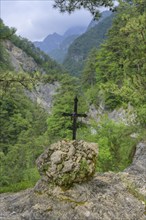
pixel 55 41
pixel 56 45
pixel 81 46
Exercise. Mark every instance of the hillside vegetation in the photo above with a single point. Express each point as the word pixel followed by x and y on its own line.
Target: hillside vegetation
pixel 114 78
pixel 80 48
pixel 23 122
pixel 56 45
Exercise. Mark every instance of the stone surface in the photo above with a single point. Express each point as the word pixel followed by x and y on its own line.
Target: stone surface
pixel 126 116
pixel 136 172
pixel 68 162
pixel 43 94
pixel 108 196
pixel 20 60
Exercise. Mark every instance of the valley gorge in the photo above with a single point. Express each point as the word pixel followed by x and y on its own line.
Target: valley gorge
pixel 101 175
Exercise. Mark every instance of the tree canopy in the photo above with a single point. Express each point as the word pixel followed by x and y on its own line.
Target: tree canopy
pixel 91 5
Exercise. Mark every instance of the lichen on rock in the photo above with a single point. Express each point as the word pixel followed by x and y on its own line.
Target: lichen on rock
pixel 68 162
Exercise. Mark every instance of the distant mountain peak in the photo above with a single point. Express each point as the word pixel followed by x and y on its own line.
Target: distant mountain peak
pixel 55 41
pixel 75 30
pixel 53 36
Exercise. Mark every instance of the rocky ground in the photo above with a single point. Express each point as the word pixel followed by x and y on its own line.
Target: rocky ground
pixel 108 196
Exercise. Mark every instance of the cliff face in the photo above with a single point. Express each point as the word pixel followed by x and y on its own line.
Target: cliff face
pixel 43 95
pixel 22 62
pixel 108 196
pixel 19 60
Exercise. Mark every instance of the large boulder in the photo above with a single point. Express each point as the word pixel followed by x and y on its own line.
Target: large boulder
pixel 68 162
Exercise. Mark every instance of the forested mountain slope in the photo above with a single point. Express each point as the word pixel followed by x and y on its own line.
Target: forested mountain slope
pixel 80 48
pixel 111 91
pixel 56 45
pixel 23 122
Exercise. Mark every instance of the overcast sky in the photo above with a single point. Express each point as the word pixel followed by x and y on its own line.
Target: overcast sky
pixel 36 19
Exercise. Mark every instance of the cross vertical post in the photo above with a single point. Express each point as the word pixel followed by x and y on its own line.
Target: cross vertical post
pixel 74 116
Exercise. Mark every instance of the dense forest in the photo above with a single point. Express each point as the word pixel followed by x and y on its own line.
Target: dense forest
pixel 78 51
pixel 113 77
pixel 23 122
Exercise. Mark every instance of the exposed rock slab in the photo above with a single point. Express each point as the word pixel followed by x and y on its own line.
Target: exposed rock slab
pixel 43 94
pixel 20 60
pixel 108 196
pixel 104 197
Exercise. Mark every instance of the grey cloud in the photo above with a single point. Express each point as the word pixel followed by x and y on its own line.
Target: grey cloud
pixel 36 19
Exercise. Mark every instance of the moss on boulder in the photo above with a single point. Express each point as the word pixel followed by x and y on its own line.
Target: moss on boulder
pixel 68 162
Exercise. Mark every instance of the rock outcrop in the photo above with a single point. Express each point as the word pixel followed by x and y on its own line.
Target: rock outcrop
pixel 68 162
pixel 22 62
pixel 19 60
pixel 43 94
pixel 121 115
pixel 107 196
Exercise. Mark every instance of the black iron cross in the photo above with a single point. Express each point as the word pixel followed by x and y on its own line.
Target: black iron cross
pixel 74 116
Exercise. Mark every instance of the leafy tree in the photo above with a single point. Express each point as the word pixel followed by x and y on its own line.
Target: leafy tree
pixel 91 5
pixel 10 80
pixel 23 125
pixel 120 63
pixel 5 31
pixel 45 63
pixel 81 47
pixel 89 73
pixel 114 154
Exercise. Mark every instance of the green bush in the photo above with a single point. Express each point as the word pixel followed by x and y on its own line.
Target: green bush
pixel 116 146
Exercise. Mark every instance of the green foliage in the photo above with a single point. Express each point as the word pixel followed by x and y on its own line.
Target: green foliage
pixel 80 48
pixel 43 60
pixel 46 64
pixel 17 187
pixel 5 33
pixel 31 175
pixel 88 76
pixel 120 63
pixel 92 5
pixel 23 125
pixel 58 125
pixel 11 81
pixel 5 63
pixel 116 146
pixel 120 80
pixel 123 54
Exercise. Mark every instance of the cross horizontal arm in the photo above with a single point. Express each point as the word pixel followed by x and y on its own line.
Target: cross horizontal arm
pixel 66 114
pixel 74 114
pixel 82 115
